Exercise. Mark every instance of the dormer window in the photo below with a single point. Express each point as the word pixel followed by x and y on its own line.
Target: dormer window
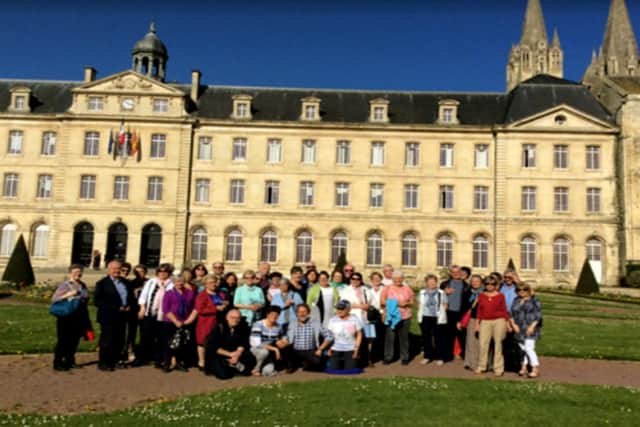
pixel 310 109
pixel 448 112
pixel 20 99
pixel 379 111
pixel 95 103
pixel 242 107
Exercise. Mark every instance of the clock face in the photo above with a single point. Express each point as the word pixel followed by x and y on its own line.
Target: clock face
pixel 128 104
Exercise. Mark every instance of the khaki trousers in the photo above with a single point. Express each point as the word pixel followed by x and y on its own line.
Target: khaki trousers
pixel 497 330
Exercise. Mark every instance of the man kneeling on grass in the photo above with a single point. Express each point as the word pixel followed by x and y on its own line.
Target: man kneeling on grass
pixel 307 340
pixel 267 342
pixel 227 348
pixel 346 330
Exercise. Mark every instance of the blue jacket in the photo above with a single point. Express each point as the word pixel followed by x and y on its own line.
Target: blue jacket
pixel 393 313
pixel 288 314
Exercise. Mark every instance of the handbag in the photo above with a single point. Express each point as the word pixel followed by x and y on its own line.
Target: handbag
pixel 180 339
pixel 373 314
pixel 464 322
pixel 64 307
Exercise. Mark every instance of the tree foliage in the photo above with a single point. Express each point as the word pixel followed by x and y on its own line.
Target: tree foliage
pixel 587 283
pixel 19 271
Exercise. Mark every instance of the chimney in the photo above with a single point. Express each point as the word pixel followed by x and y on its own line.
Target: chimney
pixel 195 84
pixel 89 74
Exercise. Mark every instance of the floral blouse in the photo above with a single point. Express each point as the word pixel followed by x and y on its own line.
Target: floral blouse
pixel 524 314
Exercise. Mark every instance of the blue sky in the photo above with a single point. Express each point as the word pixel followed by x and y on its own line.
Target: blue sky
pixel 406 45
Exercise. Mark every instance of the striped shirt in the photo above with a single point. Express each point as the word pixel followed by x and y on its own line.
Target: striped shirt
pixel 262 335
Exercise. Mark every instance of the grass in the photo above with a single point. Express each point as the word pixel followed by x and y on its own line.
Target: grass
pixel 377 402
pixel 573 327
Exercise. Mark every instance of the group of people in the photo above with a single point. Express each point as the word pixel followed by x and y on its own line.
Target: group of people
pixel 315 320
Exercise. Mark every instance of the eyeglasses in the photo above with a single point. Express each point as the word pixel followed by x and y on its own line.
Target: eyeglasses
pixel 348 269
pixel 356 278
pixel 199 268
pixel 162 271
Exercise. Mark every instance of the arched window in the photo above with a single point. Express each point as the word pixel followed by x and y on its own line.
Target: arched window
pixel 561 254
pixel 7 239
pixel 374 249
pixel 304 245
pixel 40 244
pixel 234 245
pixel 594 249
pixel 409 250
pixel 269 246
pixel 445 250
pixel 528 253
pixel 199 244
pixel 480 252
pixel 338 245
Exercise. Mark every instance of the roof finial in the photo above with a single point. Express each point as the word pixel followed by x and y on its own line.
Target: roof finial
pixel 556 38
pixel 152 26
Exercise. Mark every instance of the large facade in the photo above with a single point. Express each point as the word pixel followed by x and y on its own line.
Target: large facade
pixel 243 174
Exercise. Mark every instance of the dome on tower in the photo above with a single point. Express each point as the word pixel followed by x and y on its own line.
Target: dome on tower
pixel 150 43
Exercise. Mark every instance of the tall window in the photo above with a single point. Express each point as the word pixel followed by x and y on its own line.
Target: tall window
pixel 593 200
pixel 376 195
pixel 10 185
pixel 310 112
pixel 528 251
pixel 377 153
pixel 304 245
pixel 306 193
pixel 272 192
pixel 242 110
pixel 7 239
pixel 274 151
pixel 15 142
pixel 199 244
pixel 342 194
pixel 378 114
pixel 446 155
pixel 481 156
pixel 160 105
pixel 447 115
pixel 446 197
pixel 205 148
pixel 374 249
pixel 91 143
pixel 412 154
pixel 561 199
pixel 560 156
pixel 561 254
pixel 40 245
pixel 308 151
pixel 20 102
pixel 343 153
pixel 528 155
pixel 480 252
pixel 409 250
pixel 480 198
pixel 269 246
pixel 593 157
pixel 594 249
pixel 88 187
pixel 239 153
pixel 45 186
pixel 528 198
pixel 339 243
pixel 121 188
pixel 234 246
pixel 202 190
pixel 95 103
pixel 154 188
pixel 237 191
pixel 158 145
pixel 48 147
pixel 411 192
pixel 445 250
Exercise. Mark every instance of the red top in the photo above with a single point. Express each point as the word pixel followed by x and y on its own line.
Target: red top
pixel 492 307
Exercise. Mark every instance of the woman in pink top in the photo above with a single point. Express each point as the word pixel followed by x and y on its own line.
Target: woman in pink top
pixel 403 296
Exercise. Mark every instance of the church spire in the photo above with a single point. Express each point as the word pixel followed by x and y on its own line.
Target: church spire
pixel 618 36
pixel 534 29
pixel 556 39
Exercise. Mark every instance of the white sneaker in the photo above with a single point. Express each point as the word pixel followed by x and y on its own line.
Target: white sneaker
pixel 425 361
pixel 439 363
pixel 268 370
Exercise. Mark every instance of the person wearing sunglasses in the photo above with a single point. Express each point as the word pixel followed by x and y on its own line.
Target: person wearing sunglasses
pixel 360 298
pixel 249 298
pixel 526 320
pixel 492 323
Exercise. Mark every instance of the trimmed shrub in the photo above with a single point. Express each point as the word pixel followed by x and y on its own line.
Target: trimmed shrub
pixel 19 271
pixel 342 261
pixel 633 279
pixel 587 283
pixel 511 266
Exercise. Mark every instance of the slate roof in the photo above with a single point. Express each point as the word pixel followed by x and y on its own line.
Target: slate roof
pixel 352 106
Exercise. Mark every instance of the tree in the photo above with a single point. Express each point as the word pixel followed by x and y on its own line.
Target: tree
pixel 587 283
pixel 511 266
pixel 19 271
pixel 340 263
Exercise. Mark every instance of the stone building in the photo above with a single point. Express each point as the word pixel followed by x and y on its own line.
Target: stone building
pixel 244 174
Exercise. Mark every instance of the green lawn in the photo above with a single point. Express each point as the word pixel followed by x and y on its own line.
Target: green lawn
pixel 379 402
pixel 573 327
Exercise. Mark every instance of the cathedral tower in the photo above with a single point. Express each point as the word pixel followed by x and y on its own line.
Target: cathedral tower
pixel 534 55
